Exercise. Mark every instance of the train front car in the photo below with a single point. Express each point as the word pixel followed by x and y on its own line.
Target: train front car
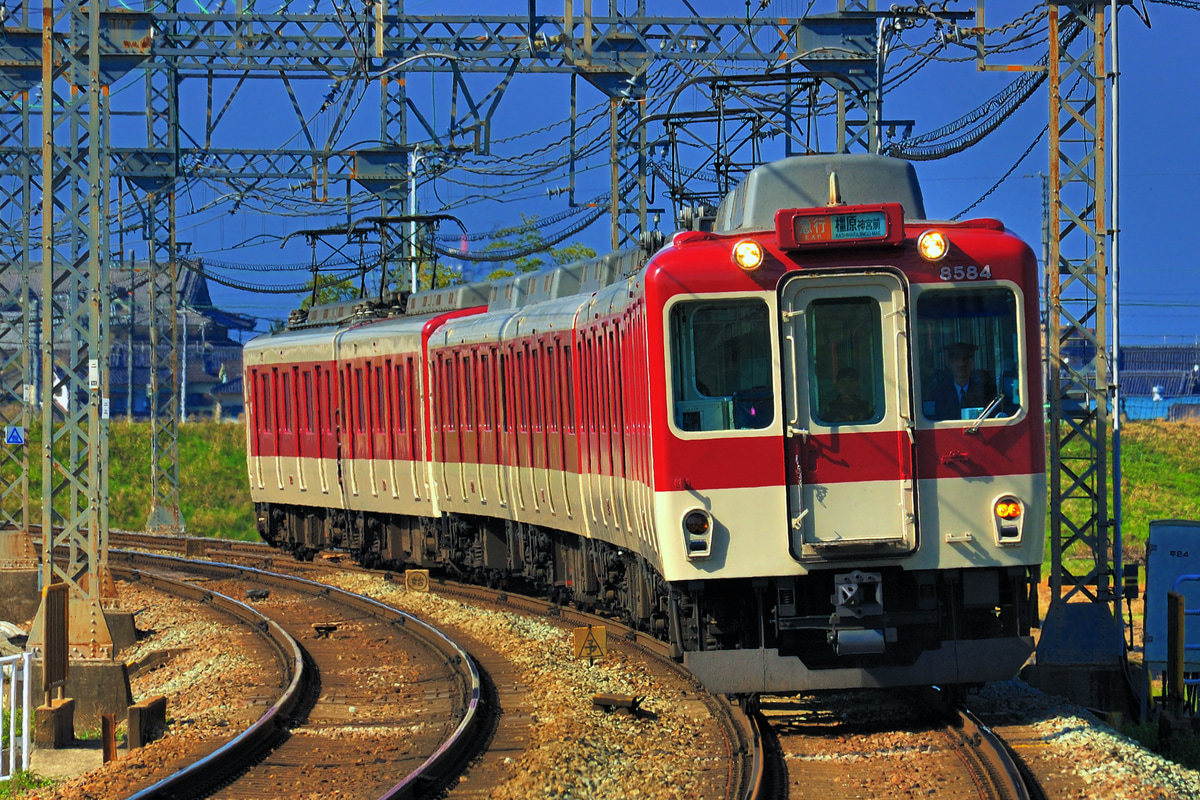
pixel 849 468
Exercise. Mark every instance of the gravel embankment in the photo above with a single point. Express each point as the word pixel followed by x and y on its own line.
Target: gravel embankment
pixel 1069 748
pixel 575 751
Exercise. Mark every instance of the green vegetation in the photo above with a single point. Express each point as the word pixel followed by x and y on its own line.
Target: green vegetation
pixel 531 241
pixel 22 783
pixel 214 494
pixel 1160 479
pixel 1160 464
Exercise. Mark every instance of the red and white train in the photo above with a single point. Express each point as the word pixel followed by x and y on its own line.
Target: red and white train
pixel 806 447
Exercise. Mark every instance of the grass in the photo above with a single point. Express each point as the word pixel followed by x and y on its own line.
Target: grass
pixel 1160 463
pixel 22 783
pixel 1160 479
pixel 214 494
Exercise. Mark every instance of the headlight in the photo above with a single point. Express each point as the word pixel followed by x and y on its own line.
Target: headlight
pixel 1008 508
pixel 932 245
pixel 748 254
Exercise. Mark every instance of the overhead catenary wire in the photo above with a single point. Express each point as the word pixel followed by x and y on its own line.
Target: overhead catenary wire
pixel 1003 177
pixel 530 170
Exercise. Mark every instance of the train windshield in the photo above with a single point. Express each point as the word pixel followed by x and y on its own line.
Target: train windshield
pixel 970 356
pixel 721 365
pixel 845 360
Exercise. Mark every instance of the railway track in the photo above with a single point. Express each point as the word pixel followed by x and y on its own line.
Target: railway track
pixel 884 744
pixel 735 775
pixel 325 732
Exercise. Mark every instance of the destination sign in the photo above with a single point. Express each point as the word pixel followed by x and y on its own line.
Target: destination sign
pixel 840 227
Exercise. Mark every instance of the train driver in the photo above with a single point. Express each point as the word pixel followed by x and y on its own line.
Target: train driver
pixel 846 405
pixel 965 388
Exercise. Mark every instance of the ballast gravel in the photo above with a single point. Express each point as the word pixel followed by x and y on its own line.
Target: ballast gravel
pixel 1090 758
pixel 576 751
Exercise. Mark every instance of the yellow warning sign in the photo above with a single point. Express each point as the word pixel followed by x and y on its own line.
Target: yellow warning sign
pixel 416 580
pixel 591 642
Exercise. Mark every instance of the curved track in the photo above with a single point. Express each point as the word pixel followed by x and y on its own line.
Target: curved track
pixel 742 772
pixel 324 733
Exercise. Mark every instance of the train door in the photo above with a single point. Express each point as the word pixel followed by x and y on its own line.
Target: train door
pixel 305 441
pixel 277 395
pixel 324 429
pixel 539 427
pixel 381 429
pixel 524 442
pixel 476 390
pixel 569 461
pixel 262 421
pixel 414 411
pixel 387 390
pixel 848 415
pixel 489 426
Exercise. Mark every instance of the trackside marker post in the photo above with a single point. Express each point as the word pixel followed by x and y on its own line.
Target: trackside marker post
pixel 591 642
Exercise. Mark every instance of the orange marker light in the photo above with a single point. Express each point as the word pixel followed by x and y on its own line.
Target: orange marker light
pixel 696 523
pixel 1008 509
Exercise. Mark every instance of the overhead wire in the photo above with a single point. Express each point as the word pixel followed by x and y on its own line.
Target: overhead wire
pixel 529 170
pixel 1003 177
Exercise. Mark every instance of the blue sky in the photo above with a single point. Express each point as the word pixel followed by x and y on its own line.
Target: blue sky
pixel 1160 286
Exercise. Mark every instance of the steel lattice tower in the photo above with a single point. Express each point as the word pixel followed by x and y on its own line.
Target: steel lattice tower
pixel 1084 561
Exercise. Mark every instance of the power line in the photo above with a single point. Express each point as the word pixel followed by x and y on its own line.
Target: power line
pixel 1003 177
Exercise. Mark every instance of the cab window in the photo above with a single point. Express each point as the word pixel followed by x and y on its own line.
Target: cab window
pixel 721 365
pixel 845 361
pixel 969 354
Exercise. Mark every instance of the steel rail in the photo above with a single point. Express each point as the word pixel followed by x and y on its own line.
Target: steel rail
pixel 450 750
pixel 741 729
pixel 742 735
pixel 991 753
pixel 262 731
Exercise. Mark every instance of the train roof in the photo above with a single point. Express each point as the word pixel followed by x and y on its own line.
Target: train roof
pixel 300 345
pixel 803 182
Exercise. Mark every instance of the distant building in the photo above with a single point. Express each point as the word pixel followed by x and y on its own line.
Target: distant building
pixel 213 358
pixel 1160 381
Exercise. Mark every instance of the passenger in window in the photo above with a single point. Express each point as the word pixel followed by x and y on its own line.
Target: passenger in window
pixel 846 405
pixel 964 388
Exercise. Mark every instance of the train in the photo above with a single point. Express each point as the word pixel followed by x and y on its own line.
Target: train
pixel 802 440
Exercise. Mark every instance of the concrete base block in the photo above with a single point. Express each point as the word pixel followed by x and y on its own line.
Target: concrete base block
pixel 1099 686
pixel 147 721
pixel 19 595
pixel 97 687
pixel 54 725
pixel 121 628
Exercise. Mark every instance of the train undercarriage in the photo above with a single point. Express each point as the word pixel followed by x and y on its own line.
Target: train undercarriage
pixel 834 621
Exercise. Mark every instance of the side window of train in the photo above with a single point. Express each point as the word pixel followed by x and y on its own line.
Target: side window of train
pixel 721 365
pixel 969 354
pixel 845 360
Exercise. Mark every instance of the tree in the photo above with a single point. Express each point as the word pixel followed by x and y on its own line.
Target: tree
pixel 531 241
pixel 446 276
pixel 329 290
